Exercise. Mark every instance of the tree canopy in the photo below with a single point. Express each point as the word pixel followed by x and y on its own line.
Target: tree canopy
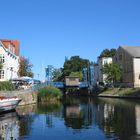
pixel 1 65
pixel 57 73
pixel 108 53
pixel 25 68
pixel 74 66
pixel 112 71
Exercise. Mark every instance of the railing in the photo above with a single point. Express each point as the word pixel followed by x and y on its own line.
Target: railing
pixel 58 85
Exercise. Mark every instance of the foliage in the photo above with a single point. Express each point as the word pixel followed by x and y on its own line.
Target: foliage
pixel 112 71
pixel 77 74
pixel 108 53
pixel 6 85
pixel 49 107
pixel 25 68
pixel 57 73
pixel 48 93
pixel 134 92
pixel 74 64
pixel 1 65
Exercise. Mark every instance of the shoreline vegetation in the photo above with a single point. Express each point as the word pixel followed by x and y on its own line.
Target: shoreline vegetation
pixel 6 86
pixel 120 93
pixel 49 94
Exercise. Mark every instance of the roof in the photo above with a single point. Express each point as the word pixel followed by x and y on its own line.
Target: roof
pixel 14 43
pixel 134 51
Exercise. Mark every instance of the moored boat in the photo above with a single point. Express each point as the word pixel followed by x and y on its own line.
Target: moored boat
pixel 8 103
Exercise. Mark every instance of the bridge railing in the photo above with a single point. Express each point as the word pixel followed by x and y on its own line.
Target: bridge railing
pixel 57 85
pixel 83 85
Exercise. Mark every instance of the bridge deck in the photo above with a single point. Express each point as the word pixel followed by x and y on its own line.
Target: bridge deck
pixel 60 85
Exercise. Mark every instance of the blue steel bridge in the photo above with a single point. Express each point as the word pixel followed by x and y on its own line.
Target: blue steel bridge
pixel 60 85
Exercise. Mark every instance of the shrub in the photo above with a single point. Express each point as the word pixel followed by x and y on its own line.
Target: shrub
pixel 49 93
pixel 6 85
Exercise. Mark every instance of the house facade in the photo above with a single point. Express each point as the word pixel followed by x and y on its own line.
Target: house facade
pixel 99 75
pixel 9 57
pixel 129 59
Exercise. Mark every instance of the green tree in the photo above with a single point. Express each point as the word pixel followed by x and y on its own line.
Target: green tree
pixel 25 68
pixel 1 65
pixel 74 64
pixel 108 52
pixel 57 73
pixel 77 74
pixel 113 72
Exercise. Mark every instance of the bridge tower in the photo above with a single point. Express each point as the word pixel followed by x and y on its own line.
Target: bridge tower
pixel 49 73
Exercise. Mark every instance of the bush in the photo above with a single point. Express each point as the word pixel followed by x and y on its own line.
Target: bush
pixel 49 93
pixel 6 85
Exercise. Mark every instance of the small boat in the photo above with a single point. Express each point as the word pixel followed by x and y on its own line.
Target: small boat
pixel 8 103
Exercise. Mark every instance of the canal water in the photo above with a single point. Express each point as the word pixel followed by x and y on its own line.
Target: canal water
pixel 76 118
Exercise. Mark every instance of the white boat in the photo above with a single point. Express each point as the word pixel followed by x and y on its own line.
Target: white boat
pixel 8 103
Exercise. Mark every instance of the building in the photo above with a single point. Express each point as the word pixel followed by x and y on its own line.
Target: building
pixel 96 73
pixel 88 75
pixel 98 69
pixel 129 59
pixel 72 81
pixel 9 56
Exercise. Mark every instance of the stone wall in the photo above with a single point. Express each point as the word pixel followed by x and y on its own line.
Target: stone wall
pixel 27 96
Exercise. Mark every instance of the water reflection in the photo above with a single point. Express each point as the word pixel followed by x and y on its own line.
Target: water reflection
pixel 117 118
pixel 74 118
pixel 9 126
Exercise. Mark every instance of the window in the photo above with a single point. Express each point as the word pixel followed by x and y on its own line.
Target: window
pixel 2 59
pixel 1 74
pixel 105 61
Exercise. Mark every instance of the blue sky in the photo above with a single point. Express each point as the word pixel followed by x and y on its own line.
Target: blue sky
pixel 49 30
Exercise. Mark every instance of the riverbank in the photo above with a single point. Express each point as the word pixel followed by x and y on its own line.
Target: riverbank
pixel 120 93
pixel 27 96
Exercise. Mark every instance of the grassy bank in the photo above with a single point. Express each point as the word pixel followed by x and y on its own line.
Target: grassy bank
pixel 49 94
pixel 6 86
pixel 121 92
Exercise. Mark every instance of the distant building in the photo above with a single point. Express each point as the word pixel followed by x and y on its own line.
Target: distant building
pixel 9 56
pixel 85 74
pixel 72 81
pixel 99 75
pixel 88 75
pixel 129 59
pixel 96 74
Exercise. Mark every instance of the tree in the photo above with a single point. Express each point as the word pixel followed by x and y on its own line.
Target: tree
pixel 108 53
pixel 1 65
pixel 74 64
pixel 57 73
pixel 113 72
pixel 77 74
pixel 25 68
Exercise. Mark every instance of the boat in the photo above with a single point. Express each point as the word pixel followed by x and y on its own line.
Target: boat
pixel 8 103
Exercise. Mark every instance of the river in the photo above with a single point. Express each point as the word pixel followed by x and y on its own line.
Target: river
pixel 75 118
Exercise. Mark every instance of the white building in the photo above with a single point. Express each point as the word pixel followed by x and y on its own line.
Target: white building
pixel 98 69
pixel 9 56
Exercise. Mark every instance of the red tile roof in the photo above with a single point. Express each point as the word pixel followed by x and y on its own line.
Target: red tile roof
pixel 14 43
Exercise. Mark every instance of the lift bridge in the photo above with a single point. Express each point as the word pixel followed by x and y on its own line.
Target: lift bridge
pixel 70 81
pixel 60 85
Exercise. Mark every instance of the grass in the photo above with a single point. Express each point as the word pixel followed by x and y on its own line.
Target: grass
pixel 6 86
pixel 49 93
pixel 122 92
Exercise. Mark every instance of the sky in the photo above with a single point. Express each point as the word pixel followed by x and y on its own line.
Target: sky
pixel 50 30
